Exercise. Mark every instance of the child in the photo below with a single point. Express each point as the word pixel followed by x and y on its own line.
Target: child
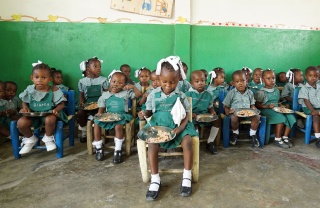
pixel 217 82
pixel 90 88
pixel 248 73
pixel 126 69
pixel 237 98
pixel 40 97
pixel 115 100
pixel 256 83
pixel 57 79
pixel 159 105
pixel 202 103
pixel 143 75
pixel 205 75
pixel 4 121
pixel 154 84
pixel 309 94
pixel 281 79
pixel 13 101
pixel 184 85
pixel 268 98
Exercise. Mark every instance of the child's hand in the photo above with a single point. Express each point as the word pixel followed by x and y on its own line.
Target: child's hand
pixel 314 112
pixel 145 95
pixel 141 115
pixel 25 110
pixel 194 116
pixel 231 111
pixel 98 114
pixel 271 105
pixel 128 87
pixel 55 112
pixel 10 112
pixel 253 107
pixel 177 130
pixel 213 113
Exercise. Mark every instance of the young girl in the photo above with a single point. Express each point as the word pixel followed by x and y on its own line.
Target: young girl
pixel 154 85
pixel 217 82
pixel 295 79
pixel 309 94
pixel 256 83
pixel 143 75
pixel 90 88
pixel 267 98
pixel 248 73
pixel 126 69
pixel 57 79
pixel 281 79
pixel 4 121
pixel 183 84
pixel 115 100
pixel 202 103
pixel 40 97
pixel 159 105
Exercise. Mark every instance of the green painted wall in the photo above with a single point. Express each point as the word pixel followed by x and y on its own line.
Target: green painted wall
pixel 234 47
pixel 65 45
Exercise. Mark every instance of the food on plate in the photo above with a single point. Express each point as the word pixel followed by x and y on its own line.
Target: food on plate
pixel 163 136
pixel 283 110
pixel 91 106
pixel 246 113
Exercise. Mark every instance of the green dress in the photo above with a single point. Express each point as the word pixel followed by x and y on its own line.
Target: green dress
pixel 268 96
pixel 163 117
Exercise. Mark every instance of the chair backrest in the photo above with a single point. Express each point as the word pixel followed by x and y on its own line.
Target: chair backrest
pixel 295 101
pixel 222 94
pixel 71 103
pixel 190 112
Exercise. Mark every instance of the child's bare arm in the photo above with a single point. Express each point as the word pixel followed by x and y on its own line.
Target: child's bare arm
pixel 228 110
pixel 135 90
pixel 58 108
pixel 25 108
pixel 252 106
pixel 143 99
pixel 212 112
pixel 143 114
pixel 101 111
pixel 82 99
pixel 308 104
pixel 288 98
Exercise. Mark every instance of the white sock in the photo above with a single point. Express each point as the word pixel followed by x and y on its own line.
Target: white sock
pixel 97 144
pixel 9 137
pixel 213 133
pixel 235 131
pixel 277 139
pixel 186 174
pixel 83 133
pixel 317 135
pixel 118 144
pixel 253 132
pixel 154 186
pixel 82 128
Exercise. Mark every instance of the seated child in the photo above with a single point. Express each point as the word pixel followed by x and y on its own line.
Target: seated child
pixel 256 82
pixel 267 98
pixel 309 94
pixel 4 126
pixel 183 84
pixel 202 103
pixel 159 105
pixel 57 79
pixel 143 75
pixel 241 97
pixel 126 69
pixel 90 88
pixel 115 100
pixel 281 79
pixel 154 84
pixel 13 106
pixel 248 73
pixel 40 97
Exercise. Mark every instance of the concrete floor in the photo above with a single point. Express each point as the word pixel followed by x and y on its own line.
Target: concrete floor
pixel 236 177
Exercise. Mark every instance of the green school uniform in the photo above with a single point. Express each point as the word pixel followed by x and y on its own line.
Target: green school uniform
pixel 92 87
pixel 268 96
pixel 184 85
pixel 115 103
pixel 255 87
pixel 287 91
pixel 43 102
pixel 63 87
pixel 161 106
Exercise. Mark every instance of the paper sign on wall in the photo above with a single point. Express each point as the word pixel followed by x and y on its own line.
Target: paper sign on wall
pixel 158 8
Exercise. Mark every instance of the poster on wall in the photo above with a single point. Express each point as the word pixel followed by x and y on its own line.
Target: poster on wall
pixel 158 8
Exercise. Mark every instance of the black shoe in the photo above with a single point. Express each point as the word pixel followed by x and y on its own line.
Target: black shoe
pixel 211 148
pixel 185 191
pixel 287 142
pixel 254 140
pixel 117 157
pixel 83 139
pixel 233 139
pixel 318 143
pixel 99 154
pixel 153 195
pixel 281 144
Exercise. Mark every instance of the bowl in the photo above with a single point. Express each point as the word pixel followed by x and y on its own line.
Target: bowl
pixel 147 134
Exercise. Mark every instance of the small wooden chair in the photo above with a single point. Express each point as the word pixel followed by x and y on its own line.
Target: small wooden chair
pixel 129 132
pixel 142 152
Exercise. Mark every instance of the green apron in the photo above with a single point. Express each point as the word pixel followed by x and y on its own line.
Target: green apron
pixel 274 117
pixel 44 105
pixel 93 93
pixel 115 105
pixel 163 117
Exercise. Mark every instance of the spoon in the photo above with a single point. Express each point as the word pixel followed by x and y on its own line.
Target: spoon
pixel 152 128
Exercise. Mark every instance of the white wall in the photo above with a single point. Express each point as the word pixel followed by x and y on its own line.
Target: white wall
pixel 289 13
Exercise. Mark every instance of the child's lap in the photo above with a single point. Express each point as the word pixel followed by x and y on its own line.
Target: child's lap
pixel 110 125
pixel 277 118
pixel 307 111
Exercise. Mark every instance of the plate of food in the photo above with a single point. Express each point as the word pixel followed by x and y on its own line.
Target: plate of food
pixel 35 114
pixel 282 110
pixel 246 112
pixel 207 117
pixel 109 117
pixel 162 134
pixel 91 106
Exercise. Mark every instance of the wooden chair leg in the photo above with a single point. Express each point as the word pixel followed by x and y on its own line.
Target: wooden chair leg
pixel 89 137
pixel 142 152
pixel 195 165
pixel 128 138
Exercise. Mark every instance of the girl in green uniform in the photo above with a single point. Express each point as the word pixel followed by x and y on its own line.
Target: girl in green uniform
pixel 90 88
pixel 57 79
pixel 183 84
pixel 115 100
pixel 256 82
pixel 202 103
pixel 40 97
pixel 154 84
pixel 266 99
pixel 309 94
pixel 217 83
pixel 143 85
pixel 159 105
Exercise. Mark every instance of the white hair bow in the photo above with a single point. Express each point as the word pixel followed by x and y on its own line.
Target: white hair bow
pixel 83 64
pixel 176 64
pixel 111 74
pixel 212 75
pixel 35 64
pixel 247 68
pixel 137 72
pixel 290 76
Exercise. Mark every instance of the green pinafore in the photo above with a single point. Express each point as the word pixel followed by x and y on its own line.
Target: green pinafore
pixel 163 117
pixel 45 105
pixel 93 93
pixel 274 117
pixel 115 105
